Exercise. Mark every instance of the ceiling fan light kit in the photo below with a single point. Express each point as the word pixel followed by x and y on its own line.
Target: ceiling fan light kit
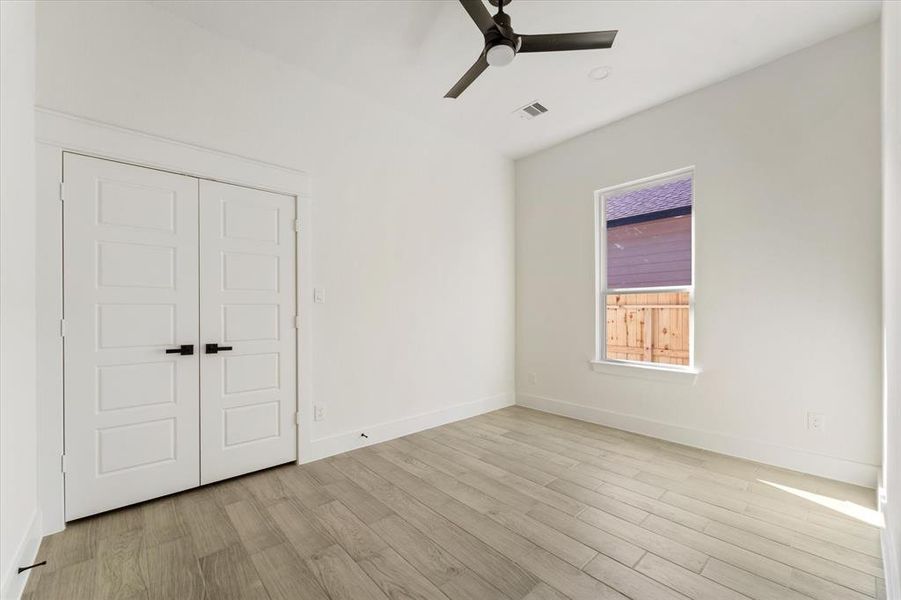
pixel 502 44
pixel 500 55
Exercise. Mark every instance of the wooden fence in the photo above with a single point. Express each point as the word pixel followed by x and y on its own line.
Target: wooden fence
pixel 648 327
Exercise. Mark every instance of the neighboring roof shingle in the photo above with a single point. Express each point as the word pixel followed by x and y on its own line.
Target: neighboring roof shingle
pixel 666 196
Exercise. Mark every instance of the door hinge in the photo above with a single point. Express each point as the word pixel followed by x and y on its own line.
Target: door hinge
pixel 62 191
pixel 297 418
pixel 296 322
pixel 62 463
pixel 62 328
pixel 296 224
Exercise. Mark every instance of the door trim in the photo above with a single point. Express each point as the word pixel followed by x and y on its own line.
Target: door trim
pixel 57 133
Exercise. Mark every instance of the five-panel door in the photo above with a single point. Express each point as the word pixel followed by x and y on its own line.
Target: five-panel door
pixel 130 279
pixel 179 339
pixel 247 380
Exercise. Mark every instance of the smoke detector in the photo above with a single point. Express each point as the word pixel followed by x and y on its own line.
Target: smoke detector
pixel 530 111
pixel 599 73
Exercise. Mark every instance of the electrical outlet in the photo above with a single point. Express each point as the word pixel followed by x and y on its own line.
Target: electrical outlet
pixel 533 378
pixel 816 421
pixel 319 295
pixel 318 413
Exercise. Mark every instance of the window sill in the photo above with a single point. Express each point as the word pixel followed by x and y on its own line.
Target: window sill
pixel 685 375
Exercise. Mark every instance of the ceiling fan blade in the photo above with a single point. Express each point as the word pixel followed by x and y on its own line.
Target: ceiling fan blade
pixel 479 14
pixel 554 42
pixel 474 71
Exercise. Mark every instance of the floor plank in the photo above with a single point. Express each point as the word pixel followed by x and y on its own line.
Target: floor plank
pixel 119 573
pixel 341 577
pixel 634 584
pixel 230 575
pixel 397 578
pixel 255 530
pixel 286 576
pixel 171 571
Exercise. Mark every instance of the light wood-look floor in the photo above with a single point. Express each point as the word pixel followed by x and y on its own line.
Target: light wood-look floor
pixel 515 504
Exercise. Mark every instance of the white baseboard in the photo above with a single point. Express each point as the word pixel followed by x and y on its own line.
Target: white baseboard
pixel 13 582
pixel 382 432
pixel 764 452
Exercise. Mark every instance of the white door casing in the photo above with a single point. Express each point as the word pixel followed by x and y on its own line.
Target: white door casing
pixel 130 289
pixel 58 134
pixel 247 297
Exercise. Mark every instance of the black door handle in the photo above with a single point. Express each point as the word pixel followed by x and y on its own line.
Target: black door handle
pixel 216 348
pixel 184 350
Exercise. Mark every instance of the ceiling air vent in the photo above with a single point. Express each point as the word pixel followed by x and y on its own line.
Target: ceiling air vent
pixel 530 111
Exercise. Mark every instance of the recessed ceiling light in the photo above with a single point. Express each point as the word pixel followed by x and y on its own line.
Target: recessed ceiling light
pixel 599 73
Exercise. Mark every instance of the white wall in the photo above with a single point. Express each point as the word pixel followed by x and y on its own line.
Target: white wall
pixel 891 265
pixel 787 187
pixel 19 514
pixel 412 227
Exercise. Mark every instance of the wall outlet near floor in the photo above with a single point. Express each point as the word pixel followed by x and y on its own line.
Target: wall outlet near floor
pixel 319 295
pixel 816 421
pixel 318 413
pixel 533 378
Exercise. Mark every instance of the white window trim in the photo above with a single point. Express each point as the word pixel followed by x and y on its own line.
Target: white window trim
pixel 643 370
pixel 601 364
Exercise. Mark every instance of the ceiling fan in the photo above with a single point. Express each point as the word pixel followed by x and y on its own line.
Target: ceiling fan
pixel 502 44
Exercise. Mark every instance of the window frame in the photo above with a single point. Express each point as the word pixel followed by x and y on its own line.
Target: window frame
pixel 602 291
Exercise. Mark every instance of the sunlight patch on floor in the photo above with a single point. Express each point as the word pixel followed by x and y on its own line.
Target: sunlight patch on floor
pixel 845 507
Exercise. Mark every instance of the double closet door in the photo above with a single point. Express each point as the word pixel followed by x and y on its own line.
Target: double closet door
pixel 179 332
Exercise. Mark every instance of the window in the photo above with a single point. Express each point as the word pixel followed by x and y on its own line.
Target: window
pixel 645 271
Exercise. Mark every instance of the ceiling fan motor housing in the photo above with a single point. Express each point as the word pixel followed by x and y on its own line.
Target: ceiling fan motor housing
pixel 500 42
pixel 502 27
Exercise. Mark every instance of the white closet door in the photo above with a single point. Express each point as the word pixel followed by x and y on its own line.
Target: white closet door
pixel 247 295
pixel 130 279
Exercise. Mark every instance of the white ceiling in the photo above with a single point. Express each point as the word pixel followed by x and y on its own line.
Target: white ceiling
pixel 409 53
